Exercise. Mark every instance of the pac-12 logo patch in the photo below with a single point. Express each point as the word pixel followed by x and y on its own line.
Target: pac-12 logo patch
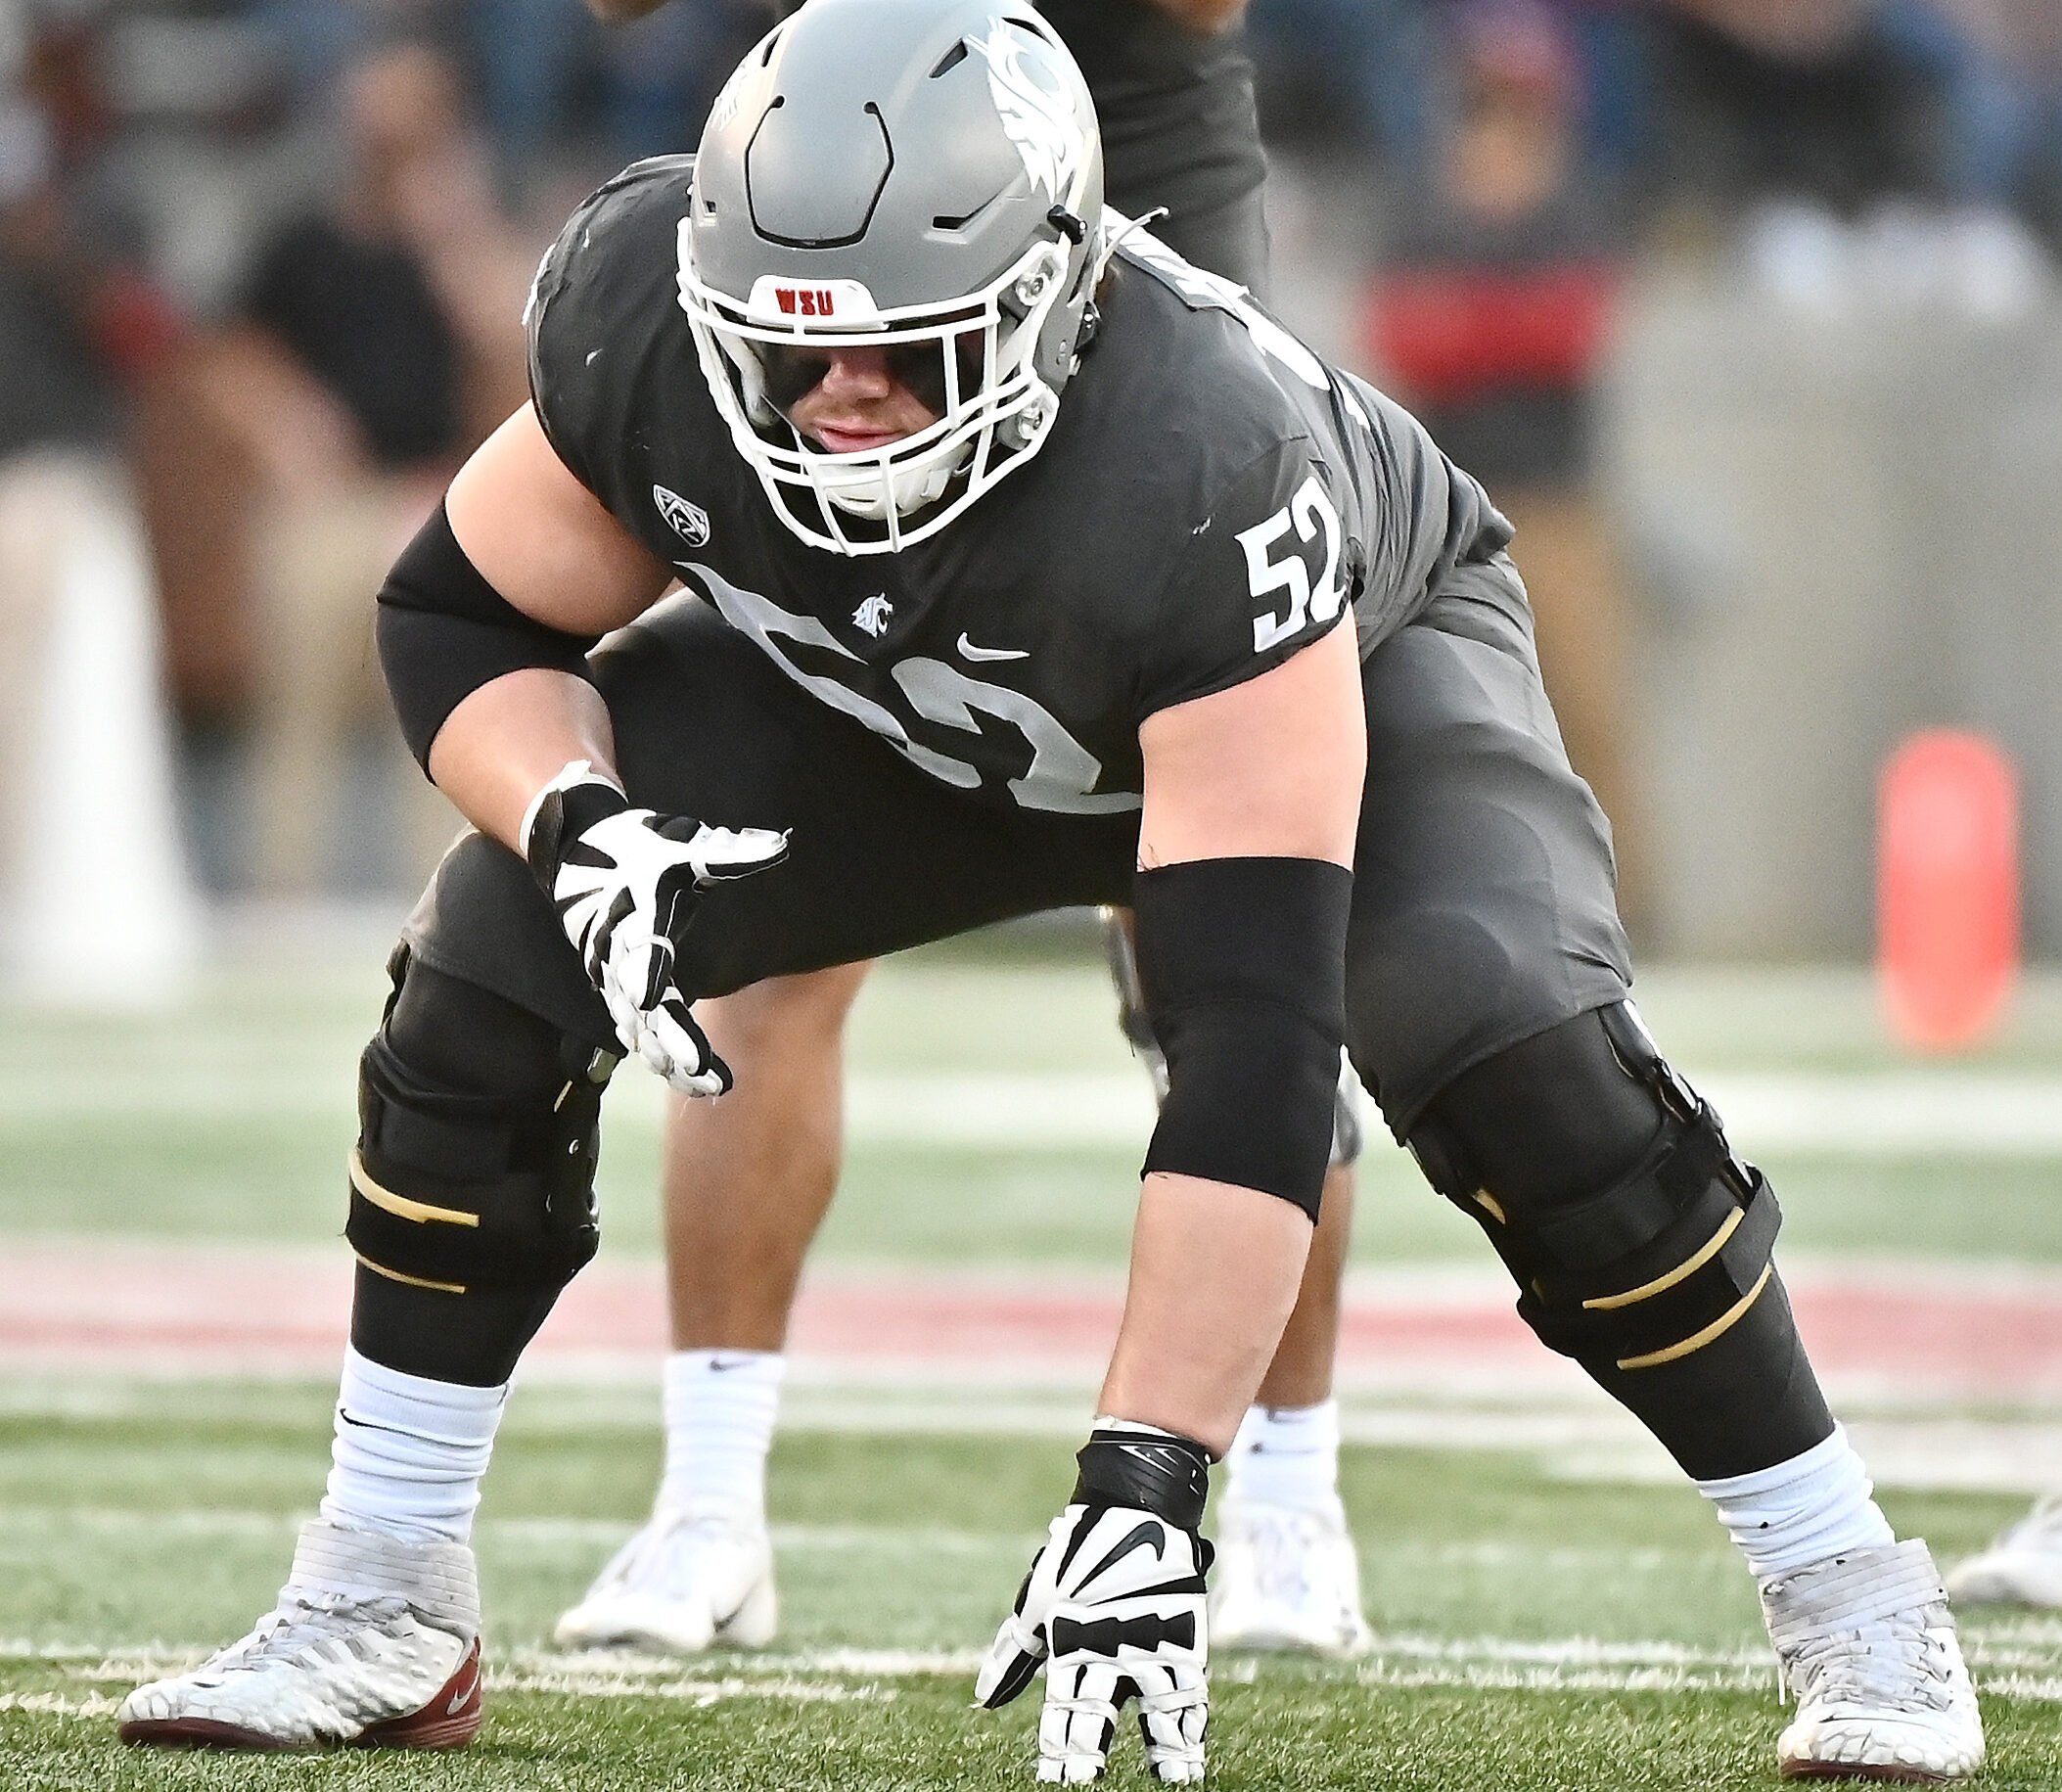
pixel 690 521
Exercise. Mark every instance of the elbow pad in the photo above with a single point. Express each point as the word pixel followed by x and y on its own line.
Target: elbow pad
pixel 1243 965
pixel 443 631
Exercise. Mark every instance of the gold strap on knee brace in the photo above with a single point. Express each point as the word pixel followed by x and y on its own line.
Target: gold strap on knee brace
pixel 1697 1340
pixel 1690 1290
pixel 402 1208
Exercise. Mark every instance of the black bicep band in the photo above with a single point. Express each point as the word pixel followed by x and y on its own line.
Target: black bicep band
pixel 443 631
pixel 1243 963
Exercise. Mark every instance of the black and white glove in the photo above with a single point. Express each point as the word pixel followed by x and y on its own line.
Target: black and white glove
pixel 1113 1610
pixel 623 882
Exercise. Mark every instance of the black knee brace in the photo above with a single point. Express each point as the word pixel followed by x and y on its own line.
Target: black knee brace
pixel 478 1145
pixel 1643 1266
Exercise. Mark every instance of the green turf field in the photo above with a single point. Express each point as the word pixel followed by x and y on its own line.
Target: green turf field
pixel 1536 1633
pixel 1539 1630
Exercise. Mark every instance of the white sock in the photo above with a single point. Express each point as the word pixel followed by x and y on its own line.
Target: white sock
pixel 409 1452
pixel 1815 1505
pixel 719 1411
pixel 1287 1456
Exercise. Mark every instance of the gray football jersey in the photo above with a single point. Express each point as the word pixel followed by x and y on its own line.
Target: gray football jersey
pixel 1212 498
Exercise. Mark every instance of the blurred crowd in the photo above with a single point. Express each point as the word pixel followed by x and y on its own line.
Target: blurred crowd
pixel 261 264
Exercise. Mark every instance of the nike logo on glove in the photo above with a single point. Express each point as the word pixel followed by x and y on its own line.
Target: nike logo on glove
pixel 972 652
pixel 1148 1535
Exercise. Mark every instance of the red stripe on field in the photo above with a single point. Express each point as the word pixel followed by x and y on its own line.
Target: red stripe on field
pixel 127 1307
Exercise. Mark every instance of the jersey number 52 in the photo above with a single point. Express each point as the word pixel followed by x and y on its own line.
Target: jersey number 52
pixel 1310 516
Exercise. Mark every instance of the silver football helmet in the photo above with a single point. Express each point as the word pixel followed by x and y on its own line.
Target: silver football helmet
pixel 923 176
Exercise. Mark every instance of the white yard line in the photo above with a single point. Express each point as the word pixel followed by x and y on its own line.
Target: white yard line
pixel 1570 1663
pixel 30 1527
pixel 1874 1113
pixel 35 1526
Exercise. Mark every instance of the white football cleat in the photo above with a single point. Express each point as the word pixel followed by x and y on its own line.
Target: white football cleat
pixel 1286 1579
pixel 374 1643
pixel 680 1586
pixel 2023 1567
pixel 1867 1650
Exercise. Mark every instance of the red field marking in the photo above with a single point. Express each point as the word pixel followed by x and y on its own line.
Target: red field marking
pixel 122 1307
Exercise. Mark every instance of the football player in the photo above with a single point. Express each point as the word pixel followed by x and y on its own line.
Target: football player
pixel 748 1179
pixel 877 381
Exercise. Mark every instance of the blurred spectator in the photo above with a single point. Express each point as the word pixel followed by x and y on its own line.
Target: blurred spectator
pixel 559 95
pixel 1489 317
pixel 1609 41
pixel 1369 64
pixel 1845 148
pixel 377 343
pixel 1819 100
pixel 99 902
pixel 655 78
pixel 2003 61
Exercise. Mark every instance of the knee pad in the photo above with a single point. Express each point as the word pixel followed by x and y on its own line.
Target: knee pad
pixel 479 1138
pixel 1661 1259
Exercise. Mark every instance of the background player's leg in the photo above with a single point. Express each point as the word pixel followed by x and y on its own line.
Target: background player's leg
pixel 1301 1374
pixel 1287 1575
pixel 750 1177
pixel 747 1181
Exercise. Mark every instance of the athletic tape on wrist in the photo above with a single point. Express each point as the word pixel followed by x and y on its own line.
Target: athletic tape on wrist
pixel 1157 1471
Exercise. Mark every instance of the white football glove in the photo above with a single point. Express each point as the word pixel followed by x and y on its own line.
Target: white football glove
pixel 623 882
pixel 1113 1610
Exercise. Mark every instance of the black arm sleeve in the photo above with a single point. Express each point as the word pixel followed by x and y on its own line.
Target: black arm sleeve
pixel 443 633
pixel 1243 963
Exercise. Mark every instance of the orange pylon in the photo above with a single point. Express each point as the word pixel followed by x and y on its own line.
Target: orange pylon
pixel 1947 888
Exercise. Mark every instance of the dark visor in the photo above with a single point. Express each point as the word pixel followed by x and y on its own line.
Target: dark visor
pixel 791 369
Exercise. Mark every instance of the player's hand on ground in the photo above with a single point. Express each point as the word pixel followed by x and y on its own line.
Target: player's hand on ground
pixel 623 882
pixel 1113 1609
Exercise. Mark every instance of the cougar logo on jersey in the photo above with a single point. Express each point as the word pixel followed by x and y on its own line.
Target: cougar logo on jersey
pixel 690 521
pixel 873 617
pixel 1040 121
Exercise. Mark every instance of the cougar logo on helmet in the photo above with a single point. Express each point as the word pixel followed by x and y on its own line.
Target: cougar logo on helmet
pixel 1040 121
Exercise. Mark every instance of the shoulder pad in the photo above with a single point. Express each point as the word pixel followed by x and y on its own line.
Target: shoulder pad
pixel 605 282
pixel 646 194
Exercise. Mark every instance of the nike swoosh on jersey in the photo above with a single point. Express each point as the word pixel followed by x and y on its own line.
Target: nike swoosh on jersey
pixel 972 652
